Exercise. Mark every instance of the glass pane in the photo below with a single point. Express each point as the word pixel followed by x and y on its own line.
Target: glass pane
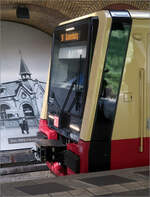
pixel 71 60
pixel 113 68
pixel 111 80
pixel 69 68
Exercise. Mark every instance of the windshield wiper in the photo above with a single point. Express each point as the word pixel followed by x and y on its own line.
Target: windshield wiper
pixel 68 95
pixel 54 97
pixel 77 92
pixel 64 116
pixel 76 99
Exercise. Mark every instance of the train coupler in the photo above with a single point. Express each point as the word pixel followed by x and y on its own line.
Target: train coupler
pixel 49 150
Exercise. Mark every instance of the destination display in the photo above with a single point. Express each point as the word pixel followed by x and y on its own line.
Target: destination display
pixel 69 36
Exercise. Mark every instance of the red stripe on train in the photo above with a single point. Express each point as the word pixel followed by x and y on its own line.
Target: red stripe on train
pixel 82 150
pixel 125 153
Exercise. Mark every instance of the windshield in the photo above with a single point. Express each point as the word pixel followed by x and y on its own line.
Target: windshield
pixel 68 75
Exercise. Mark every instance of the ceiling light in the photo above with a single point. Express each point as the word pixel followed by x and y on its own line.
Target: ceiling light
pixel 22 12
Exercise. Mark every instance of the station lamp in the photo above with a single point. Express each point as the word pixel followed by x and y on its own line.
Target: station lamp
pixel 22 12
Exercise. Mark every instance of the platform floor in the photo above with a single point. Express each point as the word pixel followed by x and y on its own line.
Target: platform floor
pixel 126 182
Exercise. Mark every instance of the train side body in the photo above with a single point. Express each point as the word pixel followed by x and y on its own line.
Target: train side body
pixel 130 139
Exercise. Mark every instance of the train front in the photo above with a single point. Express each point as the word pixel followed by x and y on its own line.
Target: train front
pixel 72 51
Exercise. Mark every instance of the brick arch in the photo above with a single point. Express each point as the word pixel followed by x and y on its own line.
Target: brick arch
pixel 119 6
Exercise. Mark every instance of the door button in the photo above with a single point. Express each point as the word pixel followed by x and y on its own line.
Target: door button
pixel 127 97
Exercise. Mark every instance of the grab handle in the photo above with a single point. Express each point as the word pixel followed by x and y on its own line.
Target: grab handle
pixel 141 121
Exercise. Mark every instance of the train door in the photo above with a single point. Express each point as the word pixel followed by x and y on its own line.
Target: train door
pixel 129 133
pixel 148 86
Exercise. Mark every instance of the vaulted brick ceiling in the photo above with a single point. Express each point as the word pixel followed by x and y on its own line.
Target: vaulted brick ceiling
pixel 46 14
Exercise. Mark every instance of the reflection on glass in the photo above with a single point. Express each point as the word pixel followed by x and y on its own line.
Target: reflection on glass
pixel 68 73
pixel 113 69
pixel 111 80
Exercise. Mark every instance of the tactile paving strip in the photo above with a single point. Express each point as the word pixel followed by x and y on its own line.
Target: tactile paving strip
pixel 43 188
pixel 106 180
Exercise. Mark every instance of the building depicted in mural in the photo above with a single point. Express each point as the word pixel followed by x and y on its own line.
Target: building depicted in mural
pixel 21 99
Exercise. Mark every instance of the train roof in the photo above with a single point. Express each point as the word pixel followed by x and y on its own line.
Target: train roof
pixel 135 14
pixel 140 14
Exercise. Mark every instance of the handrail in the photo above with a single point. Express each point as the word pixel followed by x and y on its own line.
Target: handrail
pixel 141 106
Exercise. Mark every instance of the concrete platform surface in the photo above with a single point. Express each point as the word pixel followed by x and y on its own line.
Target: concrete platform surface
pixel 126 182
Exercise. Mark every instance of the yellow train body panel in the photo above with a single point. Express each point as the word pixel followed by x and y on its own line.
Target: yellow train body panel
pixel 148 86
pixel 132 114
pixel 95 75
pixel 45 100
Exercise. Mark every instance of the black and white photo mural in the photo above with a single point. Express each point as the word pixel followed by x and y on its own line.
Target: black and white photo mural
pixel 24 59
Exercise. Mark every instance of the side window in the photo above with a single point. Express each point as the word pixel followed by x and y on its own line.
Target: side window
pixel 108 93
pixel 111 79
pixel 113 68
